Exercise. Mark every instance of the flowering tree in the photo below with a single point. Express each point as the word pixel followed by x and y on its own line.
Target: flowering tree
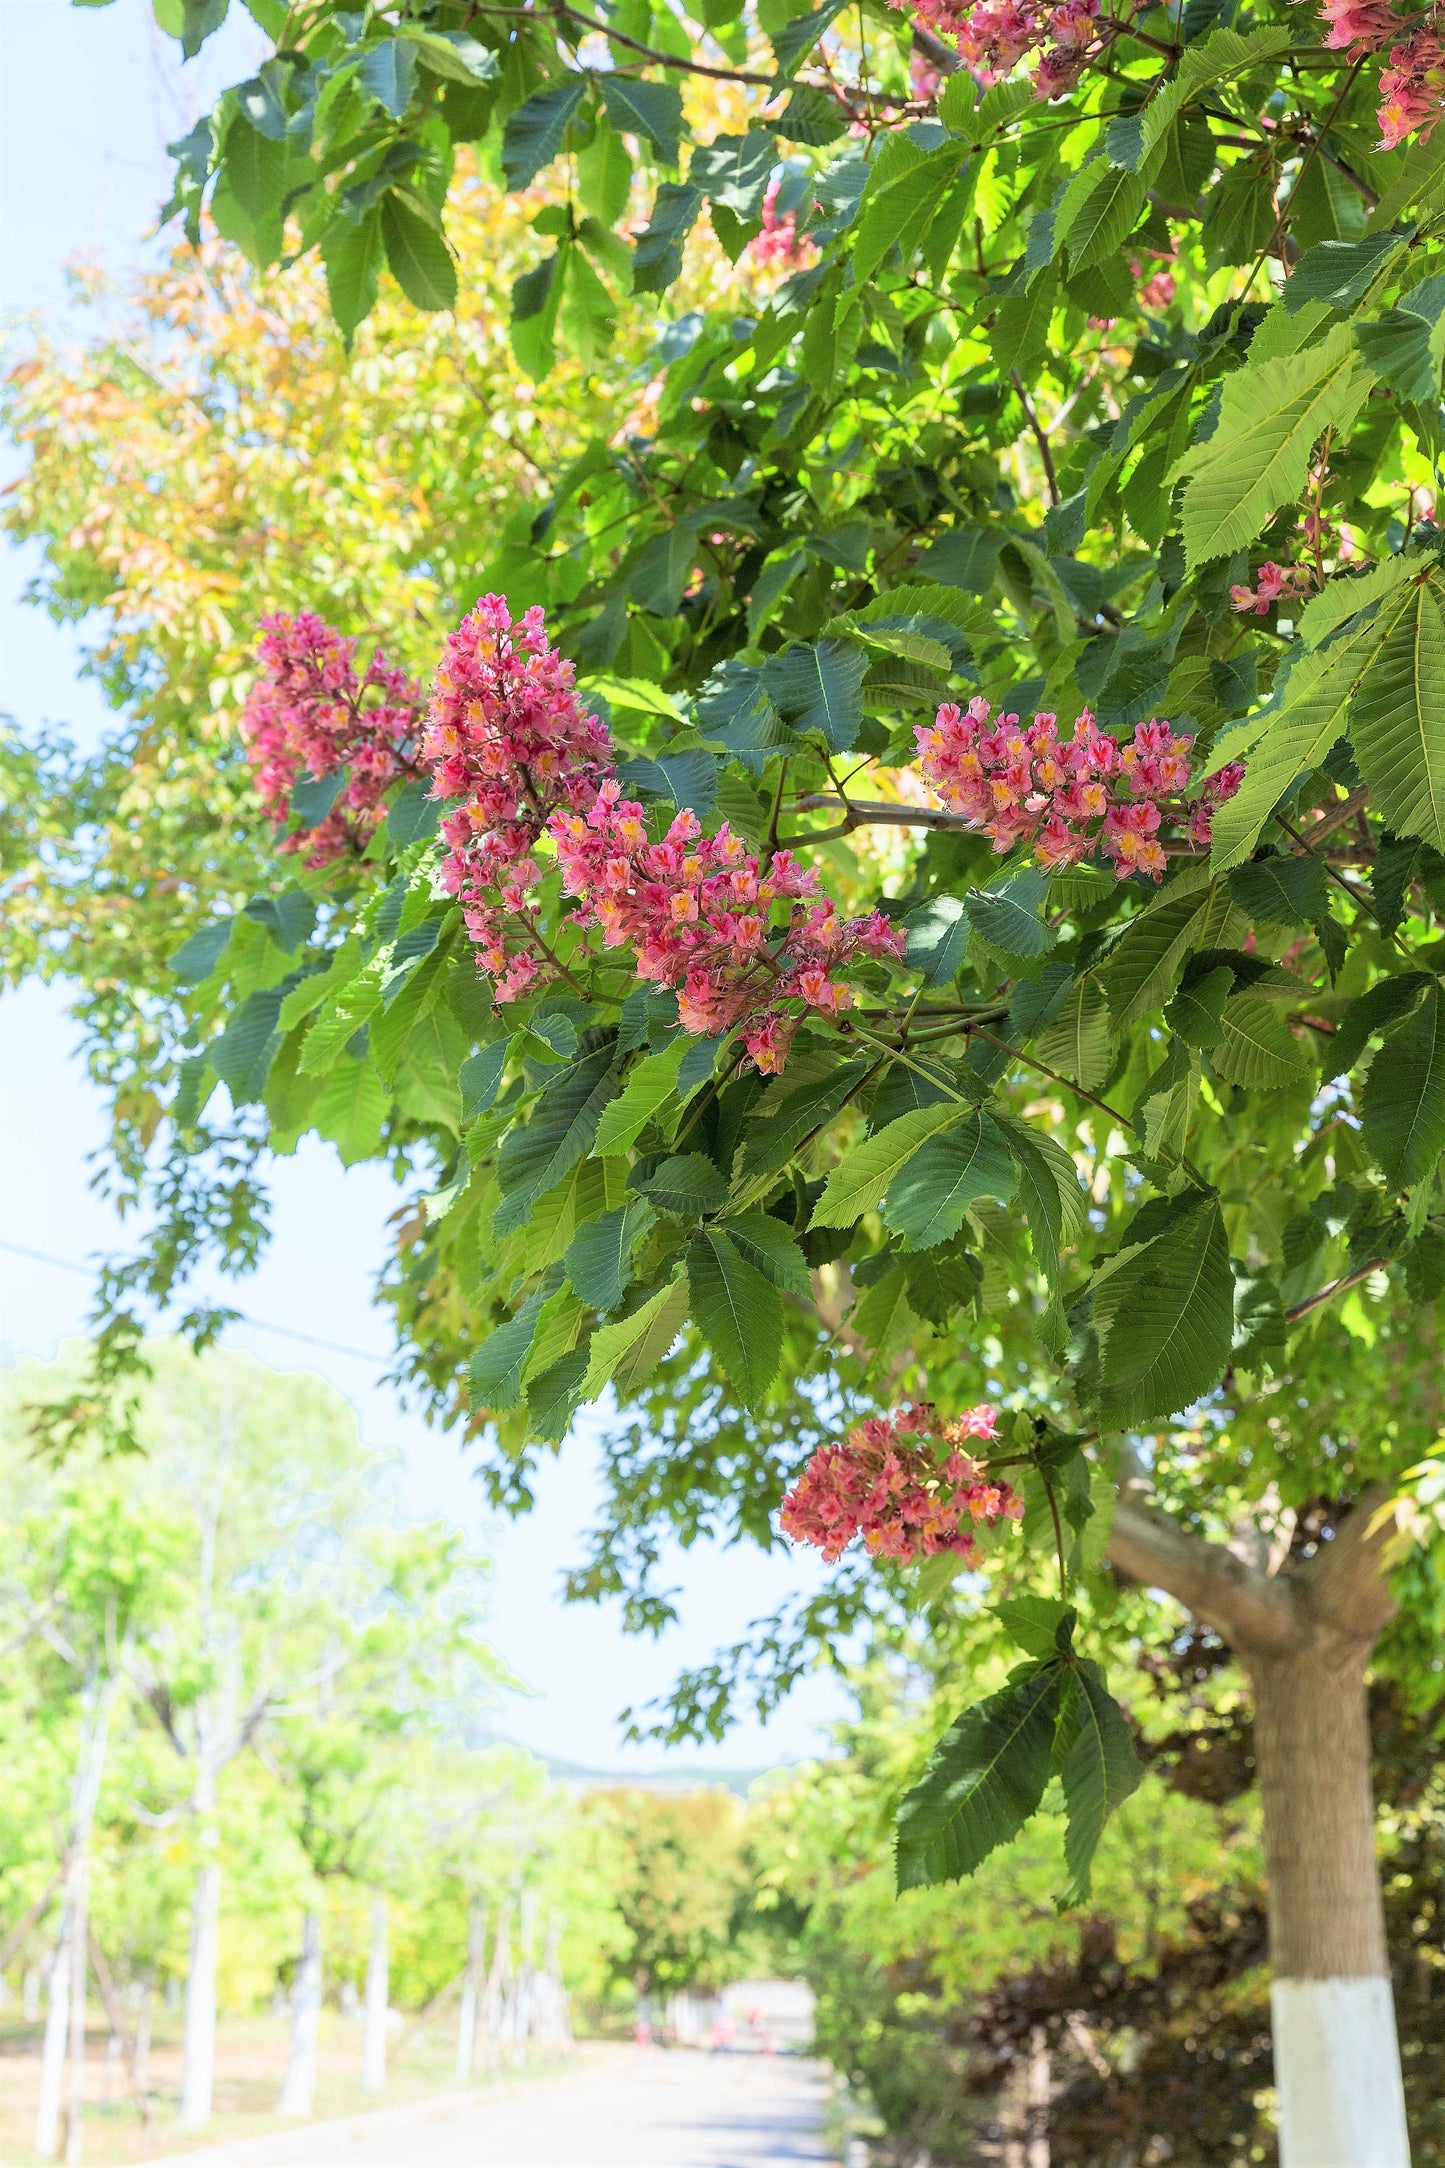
pixel 1109 393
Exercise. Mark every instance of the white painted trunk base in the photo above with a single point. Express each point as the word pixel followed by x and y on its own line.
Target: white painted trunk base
pixel 1337 2069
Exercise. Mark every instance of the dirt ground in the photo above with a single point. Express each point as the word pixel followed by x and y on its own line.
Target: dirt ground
pixel 250 2061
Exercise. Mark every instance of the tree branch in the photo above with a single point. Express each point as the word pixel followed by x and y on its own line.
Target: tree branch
pixel 1249 1609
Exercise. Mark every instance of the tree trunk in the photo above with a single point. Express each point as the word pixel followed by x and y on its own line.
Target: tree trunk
pixel 198 2073
pixel 79 1927
pixel 1304 1633
pixel 1036 2098
pixel 1337 2059
pixel 378 1997
pixel 298 2089
pixel 469 2011
pixel 57 2025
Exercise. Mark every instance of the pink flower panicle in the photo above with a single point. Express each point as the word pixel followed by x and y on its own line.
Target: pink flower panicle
pixel 1277 583
pixel 506 735
pixel 1067 798
pixel 699 913
pixel 993 36
pixel 310 713
pixel 1412 87
pixel 905 1485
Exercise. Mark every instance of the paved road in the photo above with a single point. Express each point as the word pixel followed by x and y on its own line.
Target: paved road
pixel 635 2108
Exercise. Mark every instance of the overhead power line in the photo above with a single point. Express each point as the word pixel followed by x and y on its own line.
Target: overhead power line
pixel 257 1324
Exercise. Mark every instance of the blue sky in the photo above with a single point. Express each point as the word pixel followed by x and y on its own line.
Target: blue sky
pixel 88 99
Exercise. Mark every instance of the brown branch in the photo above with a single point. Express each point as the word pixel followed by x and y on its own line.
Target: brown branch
pixel 1248 1608
pixel 36 1913
pixel 874 813
pixel 650 53
pixel 1341 1286
pixel 1039 437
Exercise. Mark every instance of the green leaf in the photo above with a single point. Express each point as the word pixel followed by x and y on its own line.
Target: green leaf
pixel 1164 1313
pixel 687 1184
pixel 497 1366
pixel 599 1256
pixel 417 257
pixel 1095 220
pixel 1404 1100
pixel 1258 1049
pixel 657 254
pixel 1258 458
pixel 1079 1040
pixel 388 71
pixel 793 43
pixel 555 1395
pixel 650 110
pixel 883 1319
pixel 1054 1203
pixel 863 1176
pixel 930 1196
pixel 1375 1011
pixel 625 1353
pixel 938 938
pixel 1100 1769
pixel 1339 273
pixel 776 1135
pixel 1224 53
pixel 1397 726
pixel 1010 916
pixel 1288 744
pixel 537 130
pixel 1042 1626
pixel 812 117
pixel 1281 891
pixel 733 171
pixel 534 1157
pixel 242 1054
pixel 1142 971
pixel 648 1087
pixel 905 186
pixel 1196 1014
pixel 453 54
pixel 821 688
pixel 984 1780
pixel 771 1248
pixel 480 1077
pixel 351 1109
pixel 738 1312
pixel 198 957
pixel 352 256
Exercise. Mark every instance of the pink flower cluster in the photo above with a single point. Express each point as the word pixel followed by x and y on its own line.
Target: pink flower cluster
pixel 1277 583
pixel 1067 798
pixel 1411 86
pixel 505 735
pixel 903 1483
pixel 993 36
pixel 699 914
pixel 779 245
pixel 310 713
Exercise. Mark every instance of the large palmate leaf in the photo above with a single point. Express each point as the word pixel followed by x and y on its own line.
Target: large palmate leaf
pixel 563 1128
pixel 1397 726
pixel 599 1256
pixel 1258 457
pixel 1164 1313
pixel 984 1780
pixel 821 688
pixel 625 1353
pixel 1257 1048
pixel 1404 1101
pixel 1142 971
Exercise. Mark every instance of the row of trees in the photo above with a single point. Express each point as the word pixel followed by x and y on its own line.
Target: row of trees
pixel 245 1702
pixel 1111 1089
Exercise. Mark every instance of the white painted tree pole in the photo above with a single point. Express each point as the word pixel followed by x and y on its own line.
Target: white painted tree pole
pixel 378 1998
pixel 1336 2055
pixel 199 2065
pixel 1304 1632
pixel 79 1963
pixel 298 2088
pixel 57 2028
pixel 470 2010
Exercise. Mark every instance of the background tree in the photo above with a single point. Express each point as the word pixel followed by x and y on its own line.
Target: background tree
pixel 677 1875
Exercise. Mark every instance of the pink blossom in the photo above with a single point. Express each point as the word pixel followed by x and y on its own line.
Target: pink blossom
pixel 1361 26
pixel 780 243
pixel 903 1485
pixel 309 713
pixel 1411 87
pixel 1276 583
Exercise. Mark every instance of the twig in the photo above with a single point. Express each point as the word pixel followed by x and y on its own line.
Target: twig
pixel 1042 441
pixel 1322 1295
pixel 649 52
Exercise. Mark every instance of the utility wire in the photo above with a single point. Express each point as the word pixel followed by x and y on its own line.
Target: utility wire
pixel 258 1324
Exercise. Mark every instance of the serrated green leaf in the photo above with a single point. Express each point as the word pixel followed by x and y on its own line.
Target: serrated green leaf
pixel 625 1353
pixel 1397 724
pixel 1164 1313
pixel 650 110
pixel 688 1184
pixel 863 1176
pixel 1053 1201
pixel 242 1054
pixel 732 171
pixel 537 130
pixel 1079 1040
pixel 984 1780
pixel 1100 1770
pixel 821 688
pixel 1010 916
pixel 535 1156
pixel 496 1367
pixel 772 1249
pixel 1258 458
pixel 905 186
pixel 352 257
pixel 648 1085
pixel 599 1257
pixel 1141 973
pixel 1343 598
pixel 351 1109
pixel 1403 1110
pixel 930 1196
pixel 1375 1011
pixel 738 1312
pixel 1038 1625
pixel 1257 1048
pixel 417 257
pixel 777 1134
